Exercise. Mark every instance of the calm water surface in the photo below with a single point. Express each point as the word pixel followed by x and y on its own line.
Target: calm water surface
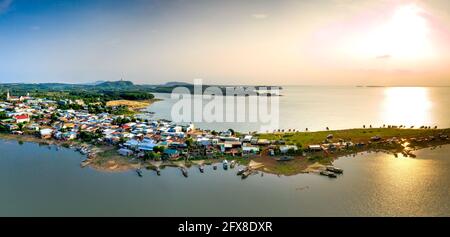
pixel 339 108
pixel 42 181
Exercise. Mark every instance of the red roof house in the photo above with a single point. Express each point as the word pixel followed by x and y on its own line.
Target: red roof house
pixel 23 118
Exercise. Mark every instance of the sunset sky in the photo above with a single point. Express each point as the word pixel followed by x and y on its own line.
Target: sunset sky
pixel 320 42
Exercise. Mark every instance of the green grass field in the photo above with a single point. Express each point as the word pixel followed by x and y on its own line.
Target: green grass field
pixel 354 135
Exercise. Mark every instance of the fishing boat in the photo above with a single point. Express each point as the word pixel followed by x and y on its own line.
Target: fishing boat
pixel 225 164
pixel 83 151
pixel 184 171
pixel 245 174
pixel 407 153
pixel 139 172
pixel 285 158
pixel 241 171
pixel 328 173
pixel 335 170
pixel 248 172
pixel 232 164
pixel 201 168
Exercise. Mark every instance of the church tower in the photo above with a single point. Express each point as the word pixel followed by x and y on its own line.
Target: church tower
pixel 7 95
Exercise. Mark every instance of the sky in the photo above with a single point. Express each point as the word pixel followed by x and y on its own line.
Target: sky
pixel 259 42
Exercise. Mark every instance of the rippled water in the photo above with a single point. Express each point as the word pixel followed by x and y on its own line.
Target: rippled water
pixel 42 181
pixel 339 108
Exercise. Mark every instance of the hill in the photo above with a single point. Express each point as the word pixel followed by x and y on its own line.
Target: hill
pixel 115 84
pixel 177 83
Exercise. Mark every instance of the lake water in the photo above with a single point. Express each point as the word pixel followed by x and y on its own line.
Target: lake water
pixel 338 108
pixel 42 181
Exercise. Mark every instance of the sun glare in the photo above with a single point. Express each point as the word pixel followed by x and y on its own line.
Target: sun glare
pixel 407 106
pixel 403 36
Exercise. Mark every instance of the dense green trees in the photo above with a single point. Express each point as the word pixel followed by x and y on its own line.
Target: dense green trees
pixel 88 136
pixel 3 115
pixel 152 156
pixel 54 117
pixel 88 93
pixel 73 106
pixel 119 110
pixel 189 142
pixel 3 128
pixel 20 126
pixel 159 149
pixel 91 96
pixel 121 121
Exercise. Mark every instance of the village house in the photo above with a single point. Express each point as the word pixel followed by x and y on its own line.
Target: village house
pixel 46 133
pixel 315 147
pixel 171 153
pixel 125 152
pixel 286 148
pixel 250 150
pixel 134 138
pixel 23 118
pixel 11 98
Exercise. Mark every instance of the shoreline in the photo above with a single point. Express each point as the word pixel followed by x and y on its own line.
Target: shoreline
pixel 105 158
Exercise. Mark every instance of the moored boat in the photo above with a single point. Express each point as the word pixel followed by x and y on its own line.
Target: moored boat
pixel 139 172
pixel 335 169
pixel 158 171
pixel 240 171
pixel 248 172
pixel 201 168
pixel 328 173
pixel 184 171
pixel 245 174
pixel 232 164
pixel 84 151
pixel 225 164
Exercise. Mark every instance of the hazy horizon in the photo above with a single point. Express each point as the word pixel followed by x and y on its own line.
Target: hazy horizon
pixel 229 84
pixel 266 42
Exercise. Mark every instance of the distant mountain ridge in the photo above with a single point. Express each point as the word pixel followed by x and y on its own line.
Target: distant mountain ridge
pixel 177 83
pixel 93 83
pixel 103 88
pixel 115 84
